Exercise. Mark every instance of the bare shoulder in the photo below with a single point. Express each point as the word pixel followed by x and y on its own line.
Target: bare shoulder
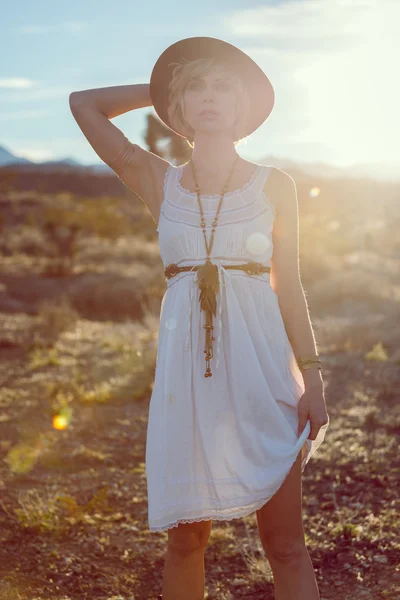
pixel 279 180
pixel 280 187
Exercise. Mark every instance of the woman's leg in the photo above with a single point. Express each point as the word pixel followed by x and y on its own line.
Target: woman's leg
pixel 280 526
pixel 183 575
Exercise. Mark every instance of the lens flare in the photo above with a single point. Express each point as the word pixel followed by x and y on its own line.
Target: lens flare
pixel 257 244
pixel 314 192
pixel 60 422
pixel 171 323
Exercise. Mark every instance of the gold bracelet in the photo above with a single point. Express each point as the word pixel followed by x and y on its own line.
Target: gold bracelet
pixel 308 358
pixel 311 365
pixel 302 361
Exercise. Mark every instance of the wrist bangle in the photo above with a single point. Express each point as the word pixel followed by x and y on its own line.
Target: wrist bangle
pixel 315 365
pixel 312 360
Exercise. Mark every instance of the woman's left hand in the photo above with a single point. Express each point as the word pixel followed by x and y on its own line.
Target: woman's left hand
pixel 312 406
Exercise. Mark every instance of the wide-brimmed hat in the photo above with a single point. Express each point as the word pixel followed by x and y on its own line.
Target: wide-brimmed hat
pixel 260 90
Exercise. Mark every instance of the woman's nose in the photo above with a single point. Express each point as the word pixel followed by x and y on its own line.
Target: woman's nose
pixel 209 93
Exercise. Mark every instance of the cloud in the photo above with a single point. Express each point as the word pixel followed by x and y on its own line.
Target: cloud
pixel 24 114
pixel 22 93
pixel 66 27
pixel 312 26
pixel 40 93
pixel 16 83
pixel 35 154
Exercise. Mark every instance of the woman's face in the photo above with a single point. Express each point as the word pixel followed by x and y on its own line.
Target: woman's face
pixel 214 91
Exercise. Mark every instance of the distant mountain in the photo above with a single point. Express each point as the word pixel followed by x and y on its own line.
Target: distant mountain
pixel 385 171
pixel 66 161
pixel 389 172
pixel 100 168
pixel 6 158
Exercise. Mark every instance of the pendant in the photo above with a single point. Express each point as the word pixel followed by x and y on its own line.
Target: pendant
pixel 208 282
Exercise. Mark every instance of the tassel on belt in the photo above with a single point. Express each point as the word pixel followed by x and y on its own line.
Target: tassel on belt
pixel 208 282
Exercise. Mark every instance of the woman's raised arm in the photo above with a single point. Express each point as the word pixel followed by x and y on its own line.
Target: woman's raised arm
pixel 136 167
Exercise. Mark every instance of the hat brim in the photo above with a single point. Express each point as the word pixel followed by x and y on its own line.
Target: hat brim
pixel 260 90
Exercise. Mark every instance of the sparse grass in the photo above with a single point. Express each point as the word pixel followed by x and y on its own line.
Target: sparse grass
pixel 9 592
pixel 52 513
pixel 260 571
pixel 53 319
pixel 22 457
pixel 378 352
pixel 43 358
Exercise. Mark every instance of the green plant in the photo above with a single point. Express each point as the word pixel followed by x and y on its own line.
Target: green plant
pixel 378 352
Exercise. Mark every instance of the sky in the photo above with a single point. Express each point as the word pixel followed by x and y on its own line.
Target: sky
pixel 332 63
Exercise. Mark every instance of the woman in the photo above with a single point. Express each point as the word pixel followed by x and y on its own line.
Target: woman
pixel 232 436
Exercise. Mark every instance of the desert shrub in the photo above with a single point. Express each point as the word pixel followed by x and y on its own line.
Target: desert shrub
pixel 102 216
pixel 112 296
pixel 52 319
pixel 25 239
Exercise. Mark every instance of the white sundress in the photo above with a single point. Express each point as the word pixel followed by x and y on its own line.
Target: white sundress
pixel 220 447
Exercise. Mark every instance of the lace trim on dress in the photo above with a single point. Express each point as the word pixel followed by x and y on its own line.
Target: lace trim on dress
pixel 224 217
pixel 166 175
pixel 240 512
pixel 233 193
pixel 243 204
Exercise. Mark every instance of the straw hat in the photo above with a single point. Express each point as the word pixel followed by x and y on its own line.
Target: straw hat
pixel 259 87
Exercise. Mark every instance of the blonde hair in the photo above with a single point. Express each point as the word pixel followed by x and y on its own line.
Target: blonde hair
pixel 183 73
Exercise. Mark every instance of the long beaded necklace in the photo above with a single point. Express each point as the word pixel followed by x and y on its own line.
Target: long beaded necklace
pixel 207 274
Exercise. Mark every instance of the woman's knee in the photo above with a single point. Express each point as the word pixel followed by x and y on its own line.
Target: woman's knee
pixel 284 548
pixel 189 537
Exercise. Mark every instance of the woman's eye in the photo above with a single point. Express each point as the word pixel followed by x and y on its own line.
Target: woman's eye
pixel 220 86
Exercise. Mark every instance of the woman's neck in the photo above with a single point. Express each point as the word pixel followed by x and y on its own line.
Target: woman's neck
pixel 213 155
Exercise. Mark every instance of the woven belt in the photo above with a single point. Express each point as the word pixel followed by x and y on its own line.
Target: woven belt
pixel 252 268
pixel 208 282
